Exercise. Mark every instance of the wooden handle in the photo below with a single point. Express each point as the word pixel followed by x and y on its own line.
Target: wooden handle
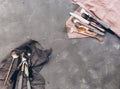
pixel 99 38
pixel 93 35
pixel 8 73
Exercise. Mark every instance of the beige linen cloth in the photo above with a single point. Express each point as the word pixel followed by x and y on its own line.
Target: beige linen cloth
pixel 107 10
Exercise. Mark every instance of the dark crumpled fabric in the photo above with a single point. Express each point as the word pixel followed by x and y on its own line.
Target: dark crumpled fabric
pixel 39 58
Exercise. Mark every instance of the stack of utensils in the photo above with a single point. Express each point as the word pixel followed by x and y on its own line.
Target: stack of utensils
pixel 86 24
pixel 20 69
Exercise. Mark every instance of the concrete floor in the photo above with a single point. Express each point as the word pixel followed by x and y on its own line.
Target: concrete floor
pixel 75 63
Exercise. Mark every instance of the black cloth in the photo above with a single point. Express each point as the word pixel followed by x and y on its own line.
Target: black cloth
pixel 39 57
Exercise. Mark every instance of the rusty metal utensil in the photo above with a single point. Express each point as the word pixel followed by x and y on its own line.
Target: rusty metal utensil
pixel 24 72
pixel 20 83
pixel 14 56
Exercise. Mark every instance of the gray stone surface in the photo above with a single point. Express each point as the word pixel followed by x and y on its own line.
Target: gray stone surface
pixel 75 63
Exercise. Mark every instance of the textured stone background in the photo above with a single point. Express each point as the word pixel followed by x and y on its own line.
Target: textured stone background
pixel 75 63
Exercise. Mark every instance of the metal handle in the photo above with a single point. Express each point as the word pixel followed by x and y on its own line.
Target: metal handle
pixel 101 23
pixel 28 84
pixel 20 82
